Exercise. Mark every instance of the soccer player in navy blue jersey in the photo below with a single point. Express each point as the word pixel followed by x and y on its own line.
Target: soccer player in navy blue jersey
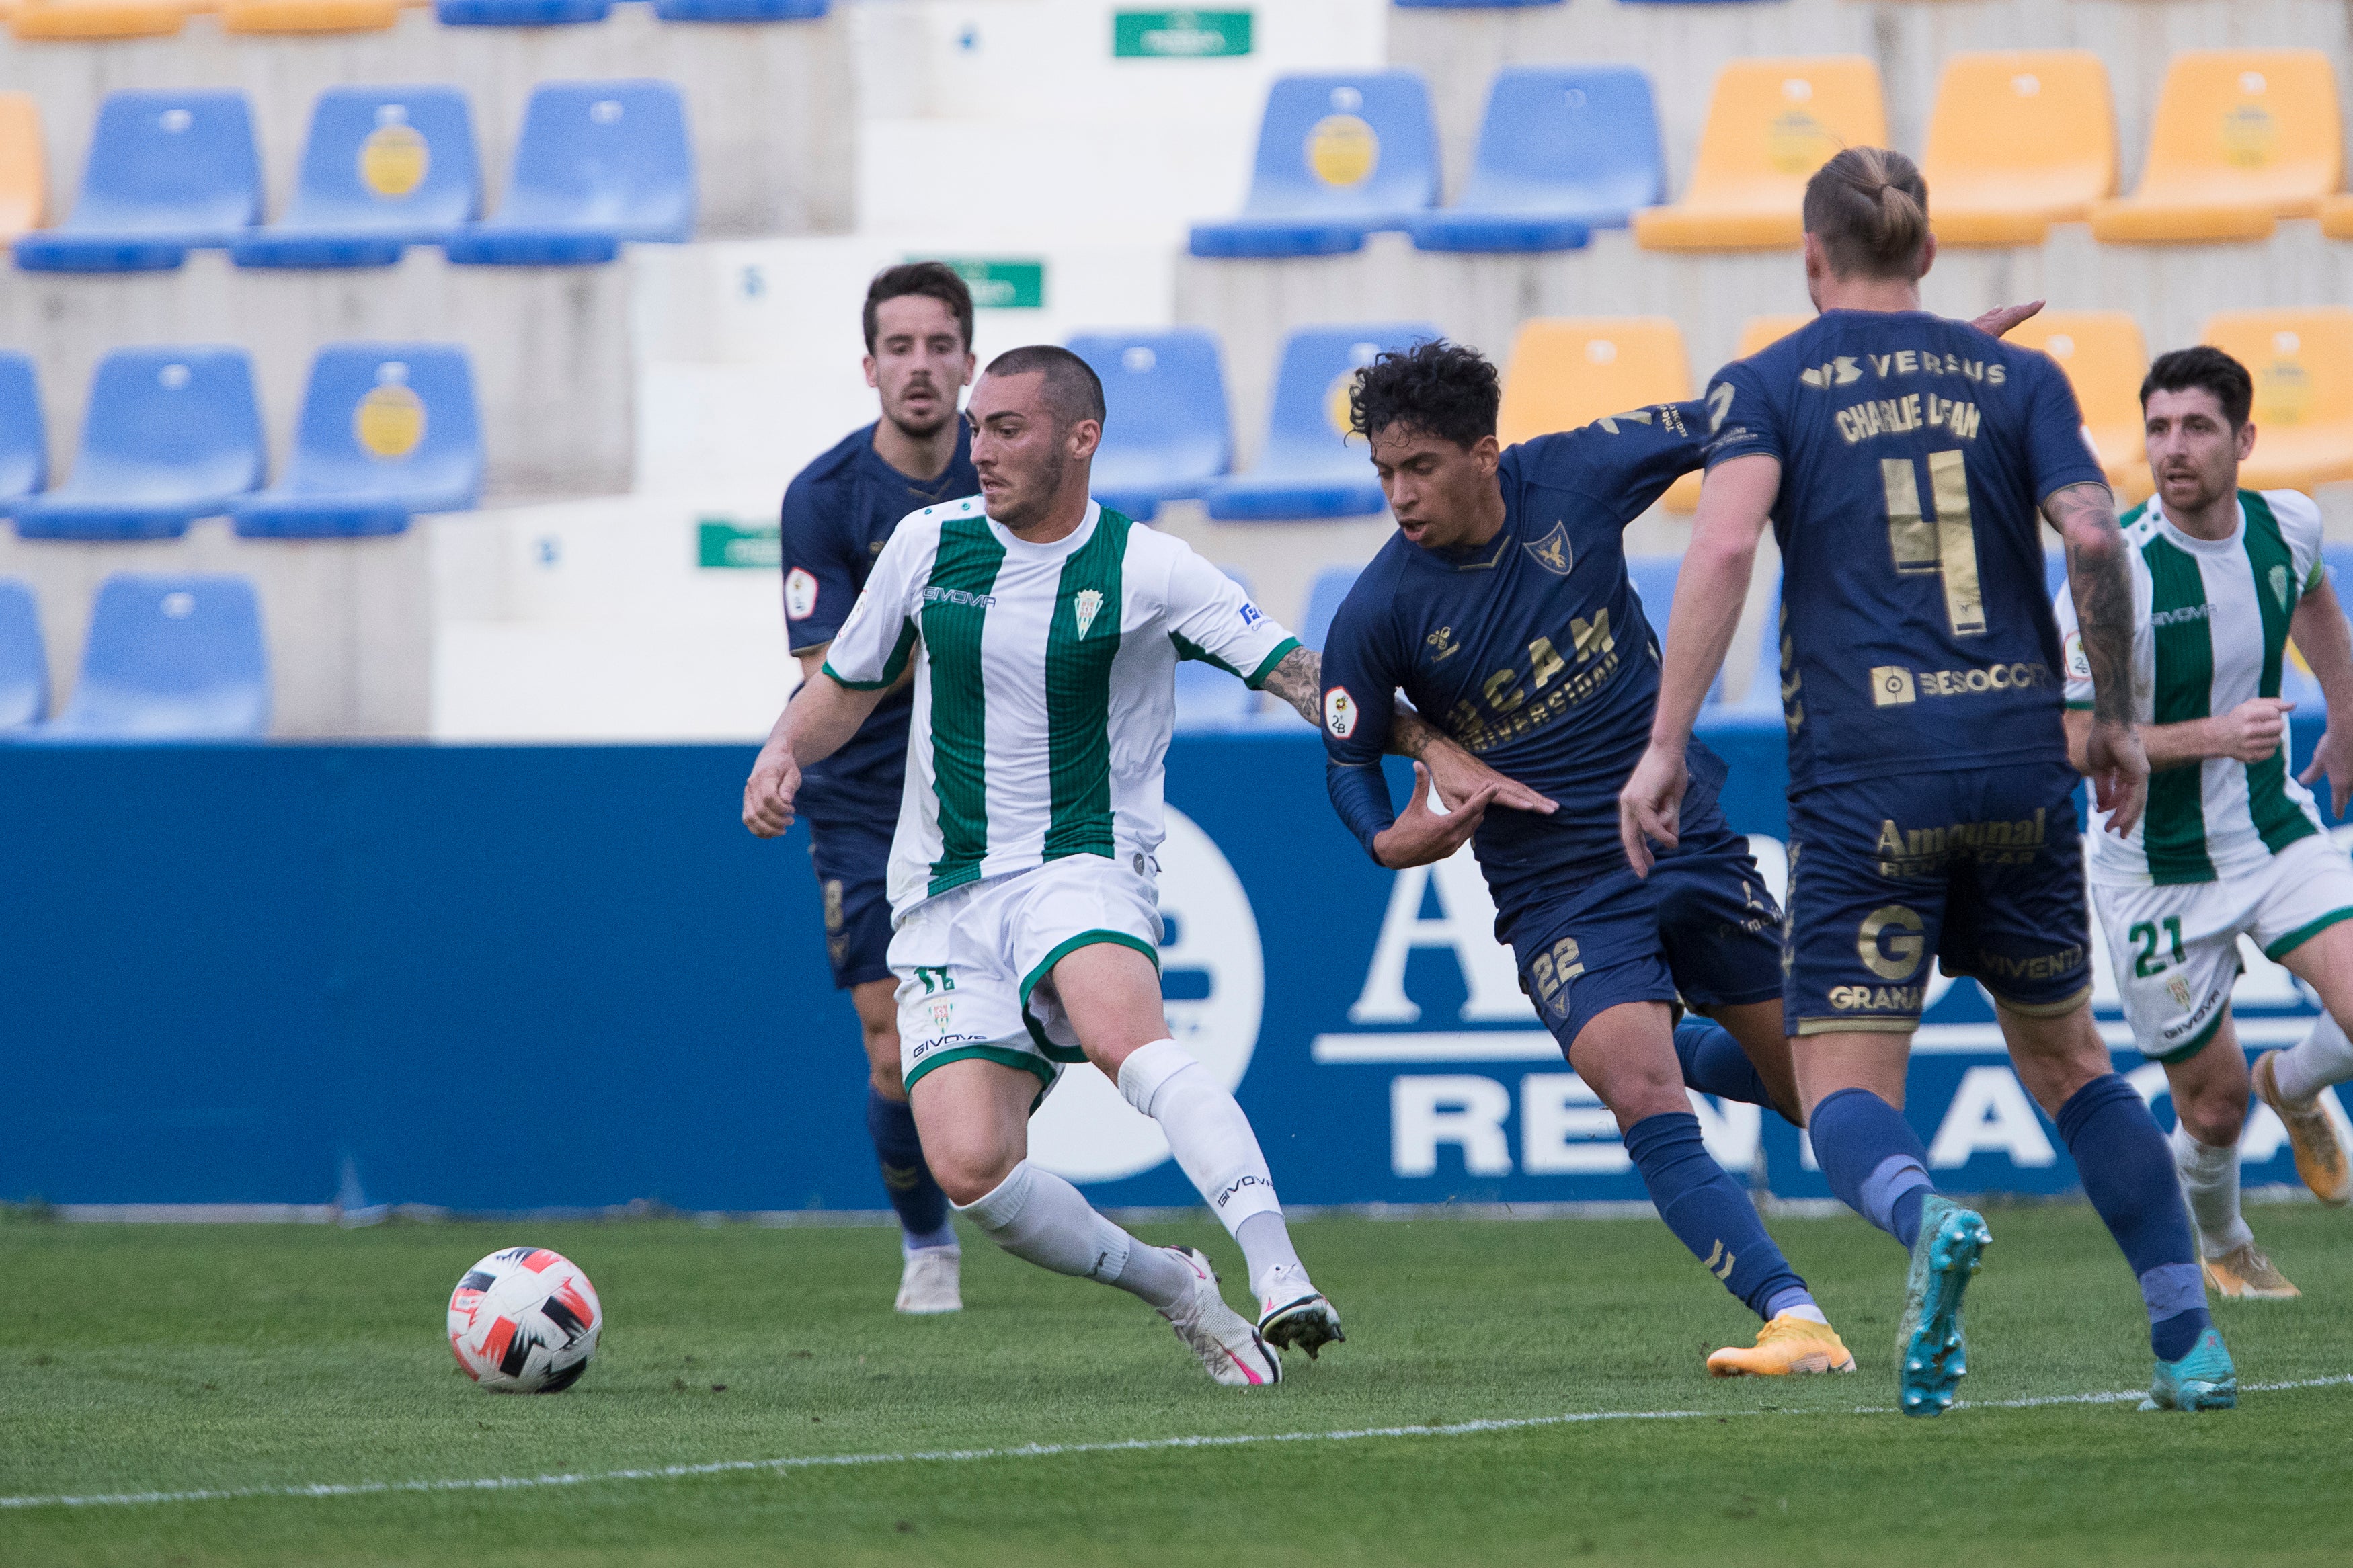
pixel 1903 459
pixel 838 514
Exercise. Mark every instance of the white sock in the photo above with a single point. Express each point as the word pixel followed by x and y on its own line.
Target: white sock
pixel 1214 1144
pixel 1035 1215
pixel 2209 1180
pixel 2321 1058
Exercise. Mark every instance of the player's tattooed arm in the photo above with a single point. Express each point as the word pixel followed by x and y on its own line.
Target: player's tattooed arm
pixel 2098 576
pixel 1459 775
pixel 1299 680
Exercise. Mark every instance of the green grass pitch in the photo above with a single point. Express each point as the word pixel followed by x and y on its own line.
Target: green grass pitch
pixel 135 1359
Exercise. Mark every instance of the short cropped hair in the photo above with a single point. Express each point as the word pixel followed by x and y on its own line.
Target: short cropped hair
pixel 1869 206
pixel 2211 368
pixel 933 279
pixel 1438 388
pixel 1073 390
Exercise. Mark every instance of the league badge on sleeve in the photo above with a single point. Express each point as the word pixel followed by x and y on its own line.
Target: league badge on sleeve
pixel 1340 712
pixel 800 594
pixel 2079 664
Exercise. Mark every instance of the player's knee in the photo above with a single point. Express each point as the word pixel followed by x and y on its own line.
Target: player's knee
pixel 969 1173
pixel 2214 1119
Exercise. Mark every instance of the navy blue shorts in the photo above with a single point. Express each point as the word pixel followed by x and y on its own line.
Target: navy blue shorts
pixel 853 863
pixel 1702 926
pixel 1981 870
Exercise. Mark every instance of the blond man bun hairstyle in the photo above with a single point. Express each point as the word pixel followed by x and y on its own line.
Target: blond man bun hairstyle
pixel 1869 206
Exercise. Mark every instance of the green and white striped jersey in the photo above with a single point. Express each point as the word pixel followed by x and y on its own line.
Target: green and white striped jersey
pixel 2210 631
pixel 1045 685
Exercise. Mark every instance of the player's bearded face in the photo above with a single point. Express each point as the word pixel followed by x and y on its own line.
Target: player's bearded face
pixel 919 363
pixel 1021 449
pixel 2193 452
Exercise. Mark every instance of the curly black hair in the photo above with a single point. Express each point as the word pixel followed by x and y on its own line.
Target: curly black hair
pixel 1438 388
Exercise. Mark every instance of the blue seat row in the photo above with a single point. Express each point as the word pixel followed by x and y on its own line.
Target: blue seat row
pixel 171 435
pixel 598 163
pixel 167 657
pixel 1562 149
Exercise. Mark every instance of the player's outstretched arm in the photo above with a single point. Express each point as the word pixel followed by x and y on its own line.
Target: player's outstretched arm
pixel 1459 775
pixel 1734 503
pixel 2101 581
pixel 818 721
pixel 2327 643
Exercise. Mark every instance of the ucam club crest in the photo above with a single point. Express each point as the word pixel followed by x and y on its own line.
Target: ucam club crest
pixel 1086 604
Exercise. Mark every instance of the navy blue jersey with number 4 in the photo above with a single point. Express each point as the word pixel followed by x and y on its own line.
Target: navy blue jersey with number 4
pixel 1916 454
pixel 838 514
pixel 1530 651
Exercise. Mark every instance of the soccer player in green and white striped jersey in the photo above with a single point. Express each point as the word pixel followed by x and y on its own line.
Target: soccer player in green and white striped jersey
pixel 2229 844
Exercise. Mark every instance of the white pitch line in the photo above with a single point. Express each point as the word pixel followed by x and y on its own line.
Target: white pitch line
pixel 1049 1450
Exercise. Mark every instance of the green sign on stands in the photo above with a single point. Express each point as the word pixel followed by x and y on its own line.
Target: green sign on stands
pixel 722 543
pixel 999 285
pixel 1179 34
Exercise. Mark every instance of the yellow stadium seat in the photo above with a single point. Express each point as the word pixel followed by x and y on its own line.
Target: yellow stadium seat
pixel 2104 358
pixel 59 19
pixel 1569 371
pixel 24 179
pixel 1770 125
pixel 2242 139
pixel 1761 332
pixel 307 15
pixel 2303 364
pixel 2337 217
pixel 2019 141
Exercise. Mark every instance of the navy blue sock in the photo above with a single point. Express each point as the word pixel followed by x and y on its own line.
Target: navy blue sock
pixel 1873 1160
pixel 1714 1063
pixel 923 1207
pixel 2127 1171
pixel 1709 1213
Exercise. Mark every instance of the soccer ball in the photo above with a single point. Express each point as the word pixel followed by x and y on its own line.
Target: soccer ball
pixel 524 1321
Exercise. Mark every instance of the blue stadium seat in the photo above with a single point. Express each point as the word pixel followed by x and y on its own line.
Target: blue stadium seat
pixel 24 661
pixel 385 168
pixel 1210 699
pixel 1564 149
pixel 24 434
pixel 1654 577
pixel 388 430
pixel 1309 467
pixel 1165 431
pixel 1468 5
pixel 598 163
pixel 169 658
pixel 740 10
pixel 168 172
pixel 1324 597
pixel 2054 571
pixel 170 436
pixel 519 12
pixel 1338 156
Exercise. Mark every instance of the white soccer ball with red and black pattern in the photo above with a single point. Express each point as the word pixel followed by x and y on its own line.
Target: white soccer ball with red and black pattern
pixel 524 1321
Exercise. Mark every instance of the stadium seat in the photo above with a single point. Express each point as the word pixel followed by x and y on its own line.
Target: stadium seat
pixel 1323 598
pixel 61 20
pixel 1761 332
pixel 598 163
pixel 168 172
pixel 2242 139
pixel 1562 149
pixel 176 658
pixel 1654 576
pixel 1770 125
pixel 385 168
pixel 1309 468
pixel 1338 157
pixel 307 15
pixel 519 12
pixel 388 430
pixel 24 434
pixel 170 436
pixel 2337 217
pixel 1567 372
pixel 24 659
pixel 2105 359
pixel 1166 434
pixel 2019 141
pixel 740 10
pixel 24 172
pixel 2303 364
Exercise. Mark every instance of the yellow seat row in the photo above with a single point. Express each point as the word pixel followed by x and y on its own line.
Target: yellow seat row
pixel 90 19
pixel 2020 140
pixel 1568 370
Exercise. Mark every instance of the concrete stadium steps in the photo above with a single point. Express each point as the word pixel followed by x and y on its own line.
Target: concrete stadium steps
pixel 551 358
pixel 772 107
pixel 1684 46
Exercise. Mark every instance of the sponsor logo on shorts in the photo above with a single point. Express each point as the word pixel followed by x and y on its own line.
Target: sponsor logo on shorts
pixel 2180 1031
pixel 1918 851
pixel 943 1010
pixel 1890 943
pixel 923 1048
pixel 1340 712
pixel 1877 998
pixel 1893 685
pixel 2043 967
pixel 2178 987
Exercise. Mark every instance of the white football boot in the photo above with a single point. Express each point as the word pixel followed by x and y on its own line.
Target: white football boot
pixel 1297 1316
pixel 932 1281
pixel 1227 1344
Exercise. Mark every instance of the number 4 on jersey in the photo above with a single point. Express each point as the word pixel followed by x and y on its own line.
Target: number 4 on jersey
pixel 1944 546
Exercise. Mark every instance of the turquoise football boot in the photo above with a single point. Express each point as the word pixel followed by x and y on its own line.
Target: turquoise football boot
pixel 1931 1358
pixel 2202 1380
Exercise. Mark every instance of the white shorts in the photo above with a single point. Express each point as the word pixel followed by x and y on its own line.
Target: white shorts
pixel 2175 949
pixel 975 965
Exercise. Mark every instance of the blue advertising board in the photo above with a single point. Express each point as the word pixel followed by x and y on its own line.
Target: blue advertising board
pixel 497 978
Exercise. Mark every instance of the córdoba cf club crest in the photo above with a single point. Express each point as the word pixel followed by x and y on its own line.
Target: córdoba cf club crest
pixel 1086 602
